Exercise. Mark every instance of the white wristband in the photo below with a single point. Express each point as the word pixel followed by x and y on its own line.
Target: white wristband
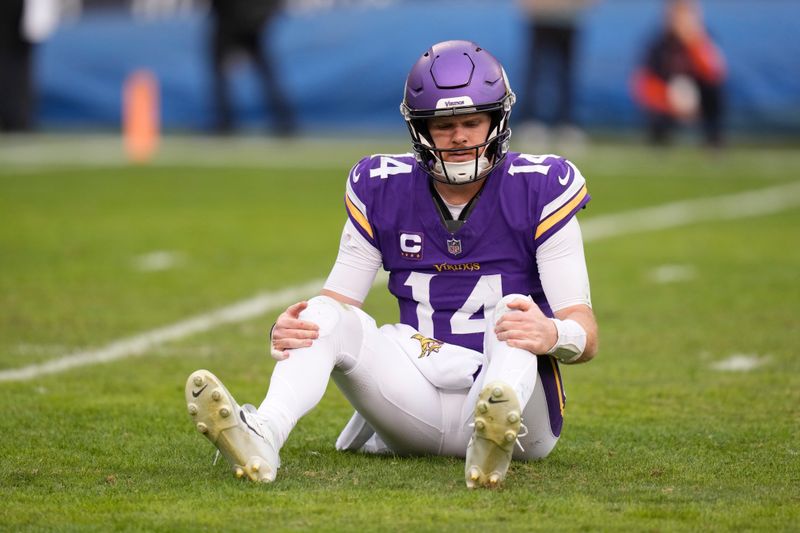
pixel 571 341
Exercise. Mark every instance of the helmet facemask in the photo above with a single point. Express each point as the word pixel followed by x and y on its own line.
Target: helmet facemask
pixel 488 154
pixel 457 78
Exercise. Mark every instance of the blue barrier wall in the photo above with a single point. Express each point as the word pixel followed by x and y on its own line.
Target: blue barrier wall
pixel 346 67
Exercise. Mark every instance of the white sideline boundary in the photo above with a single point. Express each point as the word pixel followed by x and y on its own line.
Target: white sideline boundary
pixel 727 207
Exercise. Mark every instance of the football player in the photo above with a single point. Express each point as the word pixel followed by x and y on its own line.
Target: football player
pixel 485 258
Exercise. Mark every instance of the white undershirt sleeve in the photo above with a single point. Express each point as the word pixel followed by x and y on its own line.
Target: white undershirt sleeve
pixel 356 265
pixel 562 268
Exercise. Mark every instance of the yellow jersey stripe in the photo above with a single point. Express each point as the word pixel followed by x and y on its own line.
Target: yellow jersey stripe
pixel 559 215
pixel 557 375
pixel 358 216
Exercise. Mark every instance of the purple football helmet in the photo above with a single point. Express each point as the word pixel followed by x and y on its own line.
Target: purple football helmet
pixel 455 78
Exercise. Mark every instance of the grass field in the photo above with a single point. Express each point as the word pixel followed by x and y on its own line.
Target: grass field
pixel 658 435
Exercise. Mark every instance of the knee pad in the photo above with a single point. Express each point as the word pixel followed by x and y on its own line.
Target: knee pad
pixel 341 326
pixel 326 313
pixel 502 306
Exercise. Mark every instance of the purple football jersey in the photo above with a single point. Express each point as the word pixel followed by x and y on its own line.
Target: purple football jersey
pixel 446 283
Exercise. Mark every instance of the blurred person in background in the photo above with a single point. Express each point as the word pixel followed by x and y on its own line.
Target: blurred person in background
pixel 23 23
pixel 485 258
pixel 681 77
pixel 243 28
pixel 548 102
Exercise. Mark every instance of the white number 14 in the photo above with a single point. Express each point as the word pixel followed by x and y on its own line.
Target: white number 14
pixel 486 293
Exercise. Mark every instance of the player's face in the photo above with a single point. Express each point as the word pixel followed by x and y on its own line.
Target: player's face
pixel 459 131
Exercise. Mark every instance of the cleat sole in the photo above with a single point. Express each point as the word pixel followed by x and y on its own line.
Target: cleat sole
pixel 248 456
pixel 496 429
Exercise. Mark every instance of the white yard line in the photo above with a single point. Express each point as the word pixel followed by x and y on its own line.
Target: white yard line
pixel 739 205
pixel 141 343
pixel 741 362
pixel 732 206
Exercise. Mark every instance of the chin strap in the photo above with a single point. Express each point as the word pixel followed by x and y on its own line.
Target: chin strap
pixel 461 172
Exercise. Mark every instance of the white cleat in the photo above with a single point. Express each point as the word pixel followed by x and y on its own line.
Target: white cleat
pixel 497 424
pixel 239 434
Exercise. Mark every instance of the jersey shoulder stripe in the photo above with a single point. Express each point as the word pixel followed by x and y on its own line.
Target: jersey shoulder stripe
pixel 562 213
pixel 355 207
pixel 577 183
pixel 563 193
pixel 369 188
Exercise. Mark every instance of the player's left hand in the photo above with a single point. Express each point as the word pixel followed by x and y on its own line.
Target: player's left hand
pixel 526 327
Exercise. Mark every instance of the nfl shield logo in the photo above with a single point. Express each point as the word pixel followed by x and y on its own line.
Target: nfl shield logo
pixel 454 246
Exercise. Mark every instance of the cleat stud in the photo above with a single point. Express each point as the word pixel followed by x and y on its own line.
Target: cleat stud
pixel 239 473
pixel 480 424
pixel 497 392
pixel 202 428
pixel 510 436
pixel 198 381
pixel 483 407
pixel 513 417
pixel 215 395
pixel 256 466
pixel 224 412
pixel 192 409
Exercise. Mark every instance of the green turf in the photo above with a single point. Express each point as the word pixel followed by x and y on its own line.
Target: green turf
pixel 654 438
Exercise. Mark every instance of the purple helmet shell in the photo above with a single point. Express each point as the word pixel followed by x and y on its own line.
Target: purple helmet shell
pixel 452 78
pixel 453 70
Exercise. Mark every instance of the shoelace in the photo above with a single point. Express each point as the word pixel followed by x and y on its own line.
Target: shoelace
pixel 520 434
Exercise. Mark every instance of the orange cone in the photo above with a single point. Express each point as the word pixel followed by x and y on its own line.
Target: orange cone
pixel 140 116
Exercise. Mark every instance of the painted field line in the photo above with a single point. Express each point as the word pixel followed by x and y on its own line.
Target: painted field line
pixel 733 206
pixel 141 343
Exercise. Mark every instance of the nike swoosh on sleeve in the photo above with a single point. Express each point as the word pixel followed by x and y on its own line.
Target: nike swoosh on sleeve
pixel 565 179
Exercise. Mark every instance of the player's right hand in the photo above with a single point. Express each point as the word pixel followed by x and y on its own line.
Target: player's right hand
pixel 291 332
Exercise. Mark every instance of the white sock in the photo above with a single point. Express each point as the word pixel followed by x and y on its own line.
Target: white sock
pixel 297 385
pixel 514 366
pixel 299 382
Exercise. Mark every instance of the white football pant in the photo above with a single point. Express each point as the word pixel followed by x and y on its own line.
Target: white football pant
pixel 378 372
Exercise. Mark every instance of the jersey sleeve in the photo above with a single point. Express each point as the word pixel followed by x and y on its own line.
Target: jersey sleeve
pixel 357 200
pixel 560 194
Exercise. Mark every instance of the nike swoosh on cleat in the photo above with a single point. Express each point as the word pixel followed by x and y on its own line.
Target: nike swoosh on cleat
pixel 197 393
pixel 492 400
pixel 241 415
